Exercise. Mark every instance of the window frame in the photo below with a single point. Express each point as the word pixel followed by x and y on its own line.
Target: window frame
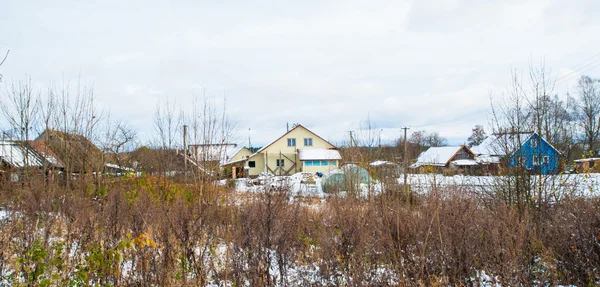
pixel 251 163
pixel 280 162
pixel 308 140
pixel 291 142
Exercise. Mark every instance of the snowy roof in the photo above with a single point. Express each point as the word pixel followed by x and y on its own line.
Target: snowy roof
pixel 214 152
pixel 318 153
pixel 235 161
pixel 437 156
pixel 587 159
pixel 17 155
pixel 381 162
pixel 485 147
pixel 45 151
pixel 464 162
pixel 486 158
pixel 118 167
pixel 501 145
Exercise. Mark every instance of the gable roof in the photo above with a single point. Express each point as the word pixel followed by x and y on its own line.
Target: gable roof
pixel 19 155
pixel 76 151
pixel 46 153
pixel 438 156
pixel 544 140
pixel 294 128
pixel 506 144
pixel 233 153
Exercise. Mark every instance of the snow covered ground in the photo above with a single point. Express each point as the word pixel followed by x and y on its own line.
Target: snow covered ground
pixel 299 184
pixel 302 184
pixel 573 184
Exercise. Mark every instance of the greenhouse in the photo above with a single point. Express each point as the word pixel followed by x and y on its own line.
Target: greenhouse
pixel 348 178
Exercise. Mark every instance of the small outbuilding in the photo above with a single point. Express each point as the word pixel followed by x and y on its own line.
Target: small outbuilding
pixel 459 158
pixel 587 165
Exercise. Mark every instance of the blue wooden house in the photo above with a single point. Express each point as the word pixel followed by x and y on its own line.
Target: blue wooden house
pixel 536 155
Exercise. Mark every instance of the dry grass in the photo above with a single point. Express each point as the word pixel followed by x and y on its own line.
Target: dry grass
pixel 147 231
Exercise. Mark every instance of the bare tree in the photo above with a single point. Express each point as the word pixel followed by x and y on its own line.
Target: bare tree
pixel 420 140
pixel 2 62
pixel 73 128
pixel 557 124
pixel 120 137
pixel 528 108
pixel 477 137
pixel 511 113
pixel 434 139
pixel 588 110
pixel 212 130
pixel 510 118
pixel 368 134
pixel 20 106
pixel 539 103
pixel 167 126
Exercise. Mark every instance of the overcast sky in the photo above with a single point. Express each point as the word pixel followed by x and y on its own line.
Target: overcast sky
pixel 325 64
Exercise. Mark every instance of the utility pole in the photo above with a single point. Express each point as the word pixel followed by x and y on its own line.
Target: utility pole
pixel 185 151
pixel 351 137
pixel 406 165
pixel 249 143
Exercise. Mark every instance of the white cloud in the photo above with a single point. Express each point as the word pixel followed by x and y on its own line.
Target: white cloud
pixel 429 64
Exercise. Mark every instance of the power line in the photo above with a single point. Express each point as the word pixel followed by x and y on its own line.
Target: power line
pixel 586 60
pixel 575 71
pixel 580 72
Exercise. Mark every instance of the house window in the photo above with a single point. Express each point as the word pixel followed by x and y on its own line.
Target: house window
pixel 280 163
pixel 522 161
pixel 546 159
pixel 308 142
pixel 320 163
pixel 252 163
pixel 291 142
pixel 533 143
pixel 536 160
